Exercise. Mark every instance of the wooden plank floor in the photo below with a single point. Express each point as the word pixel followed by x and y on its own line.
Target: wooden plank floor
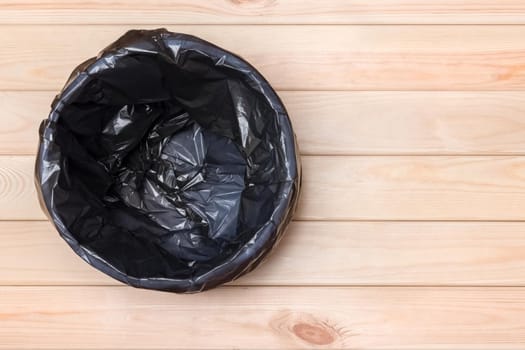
pixel 410 233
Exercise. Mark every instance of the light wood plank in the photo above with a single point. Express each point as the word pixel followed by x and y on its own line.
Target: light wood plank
pixel 300 57
pixel 263 11
pixel 262 318
pixel 358 188
pixel 349 123
pixel 23 112
pixel 313 253
pixel 413 188
pixel 18 198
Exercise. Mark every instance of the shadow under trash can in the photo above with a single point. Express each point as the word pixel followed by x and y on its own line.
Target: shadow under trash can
pixel 168 163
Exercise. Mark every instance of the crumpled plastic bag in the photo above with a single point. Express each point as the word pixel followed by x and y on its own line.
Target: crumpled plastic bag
pixel 168 163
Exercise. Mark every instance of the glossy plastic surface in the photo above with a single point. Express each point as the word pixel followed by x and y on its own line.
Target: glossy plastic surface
pixel 168 163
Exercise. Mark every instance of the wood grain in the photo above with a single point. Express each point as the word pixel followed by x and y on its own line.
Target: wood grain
pixel 313 253
pixel 262 318
pixel 263 12
pixel 302 57
pixel 350 122
pixel 17 190
pixel 358 188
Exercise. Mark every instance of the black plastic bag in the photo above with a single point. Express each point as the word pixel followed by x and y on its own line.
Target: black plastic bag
pixel 168 163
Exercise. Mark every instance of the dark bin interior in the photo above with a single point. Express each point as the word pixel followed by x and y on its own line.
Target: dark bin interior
pixel 168 163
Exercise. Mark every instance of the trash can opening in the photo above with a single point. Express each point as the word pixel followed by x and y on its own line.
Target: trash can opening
pixel 168 163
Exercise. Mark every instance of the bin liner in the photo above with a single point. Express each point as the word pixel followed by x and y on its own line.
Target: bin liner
pixel 168 163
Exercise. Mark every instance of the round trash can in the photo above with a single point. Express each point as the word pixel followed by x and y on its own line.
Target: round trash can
pixel 168 163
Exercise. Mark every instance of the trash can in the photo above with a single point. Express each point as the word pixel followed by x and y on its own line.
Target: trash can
pixel 168 163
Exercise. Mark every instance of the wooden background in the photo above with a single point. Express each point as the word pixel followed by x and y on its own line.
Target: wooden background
pixel 410 233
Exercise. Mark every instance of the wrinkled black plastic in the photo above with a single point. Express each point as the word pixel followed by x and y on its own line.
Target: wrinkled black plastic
pixel 168 163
